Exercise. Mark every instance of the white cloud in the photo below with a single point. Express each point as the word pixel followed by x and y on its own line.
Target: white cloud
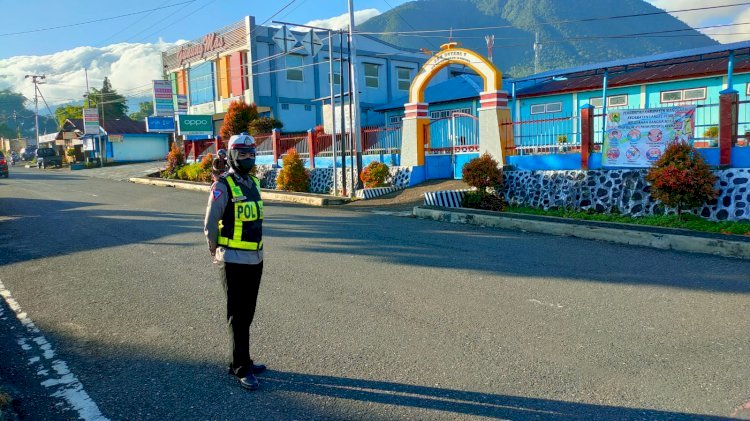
pixel 130 68
pixel 342 21
pixel 718 16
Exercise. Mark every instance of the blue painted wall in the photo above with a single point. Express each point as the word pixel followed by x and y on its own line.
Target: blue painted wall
pixel 438 167
pixel 566 161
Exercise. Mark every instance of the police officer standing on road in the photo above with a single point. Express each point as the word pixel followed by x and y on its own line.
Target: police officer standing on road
pixel 233 228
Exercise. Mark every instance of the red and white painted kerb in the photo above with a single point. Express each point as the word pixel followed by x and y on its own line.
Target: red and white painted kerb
pixel 54 373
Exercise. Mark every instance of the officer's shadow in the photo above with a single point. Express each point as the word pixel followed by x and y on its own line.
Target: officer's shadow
pixel 454 401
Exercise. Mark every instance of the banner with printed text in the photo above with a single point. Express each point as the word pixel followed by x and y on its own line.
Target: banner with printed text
pixel 637 138
pixel 163 101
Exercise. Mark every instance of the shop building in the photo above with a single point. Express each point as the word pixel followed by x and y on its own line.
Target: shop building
pixel 285 72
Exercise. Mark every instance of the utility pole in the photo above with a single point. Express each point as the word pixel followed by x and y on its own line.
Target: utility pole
pixel 490 44
pixel 331 84
pixel 36 79
pixel 355 124
pixel 537 53
pixel 344 137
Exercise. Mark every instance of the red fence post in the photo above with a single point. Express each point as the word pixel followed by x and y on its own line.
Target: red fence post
pixel 276 139
pixel 728 102
pixel 587 134
pixel 311 136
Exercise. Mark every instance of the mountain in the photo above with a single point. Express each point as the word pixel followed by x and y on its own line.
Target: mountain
pixel 563 44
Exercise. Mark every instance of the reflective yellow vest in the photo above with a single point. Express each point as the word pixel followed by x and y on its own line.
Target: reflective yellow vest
pixel 241 226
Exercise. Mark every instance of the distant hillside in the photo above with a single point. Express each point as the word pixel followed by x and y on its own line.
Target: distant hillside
pixel 563 44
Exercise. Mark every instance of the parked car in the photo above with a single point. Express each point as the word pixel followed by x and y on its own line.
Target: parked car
pixel 3 165
pixel 28 153
pixel 47 157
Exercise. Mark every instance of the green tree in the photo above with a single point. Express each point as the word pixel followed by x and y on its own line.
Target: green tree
pixel 108 101
pixel 145 109
pixel 68 111
pixel 13 113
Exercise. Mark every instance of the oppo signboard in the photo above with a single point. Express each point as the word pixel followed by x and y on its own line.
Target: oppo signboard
pixel 195 124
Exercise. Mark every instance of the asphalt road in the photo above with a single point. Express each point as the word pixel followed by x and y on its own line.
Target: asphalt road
pixel 361 315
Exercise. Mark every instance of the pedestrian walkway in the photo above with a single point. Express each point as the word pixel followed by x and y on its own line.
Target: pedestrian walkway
pixel 123 172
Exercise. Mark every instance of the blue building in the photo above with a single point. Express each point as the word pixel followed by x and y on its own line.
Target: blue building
pixel 545 107
pixel 285 71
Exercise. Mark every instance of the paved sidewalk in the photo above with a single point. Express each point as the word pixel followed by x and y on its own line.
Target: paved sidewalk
pixel 122 172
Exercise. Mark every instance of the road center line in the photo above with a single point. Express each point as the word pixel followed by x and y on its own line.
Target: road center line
pixel 62 383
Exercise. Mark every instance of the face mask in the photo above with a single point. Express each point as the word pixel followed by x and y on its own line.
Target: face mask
pixel 245 165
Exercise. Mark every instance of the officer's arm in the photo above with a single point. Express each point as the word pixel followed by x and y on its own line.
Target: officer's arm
pixel 218 198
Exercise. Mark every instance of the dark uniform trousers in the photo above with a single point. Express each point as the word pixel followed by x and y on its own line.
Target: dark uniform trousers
pixel 240 283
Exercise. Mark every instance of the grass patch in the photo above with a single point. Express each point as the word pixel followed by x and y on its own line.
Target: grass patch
pixel 688 221
pixel 5 399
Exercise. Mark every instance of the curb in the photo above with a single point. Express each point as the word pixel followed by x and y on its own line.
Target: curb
pixel 311 199
pixel 660 238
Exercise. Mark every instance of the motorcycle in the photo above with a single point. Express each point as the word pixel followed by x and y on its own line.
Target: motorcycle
pixel 13 159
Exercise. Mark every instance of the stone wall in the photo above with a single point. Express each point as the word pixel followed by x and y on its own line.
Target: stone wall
pixel 321 179
pixel 623 191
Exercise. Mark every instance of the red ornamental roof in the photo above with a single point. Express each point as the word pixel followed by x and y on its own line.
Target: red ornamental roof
pixel 686 68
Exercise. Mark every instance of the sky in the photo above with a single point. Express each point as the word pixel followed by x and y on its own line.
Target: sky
pixel 127 49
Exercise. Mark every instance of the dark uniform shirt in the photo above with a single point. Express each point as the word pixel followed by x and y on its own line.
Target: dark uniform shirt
pixel 218 200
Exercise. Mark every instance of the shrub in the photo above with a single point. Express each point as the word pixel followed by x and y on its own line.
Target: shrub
pixel 263 125
pixel 237 118
pixel 293 176
pixel 375 174
pixel 206 166
pixel 681 179
pixel 483 200
pixel 483 173
pixel 175 160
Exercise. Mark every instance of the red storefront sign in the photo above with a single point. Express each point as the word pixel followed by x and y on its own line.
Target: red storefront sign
pixel 211 42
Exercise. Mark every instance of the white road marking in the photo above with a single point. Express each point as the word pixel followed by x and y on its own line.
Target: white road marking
pixel 63 384
pixel 535 301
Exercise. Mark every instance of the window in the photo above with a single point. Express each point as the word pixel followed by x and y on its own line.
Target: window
pixel 308 107
pixel 395 120
pixel 554 107
pixel 403 77
pixel 284 106
pixel 617 101
pixel 671 96
pixel 612 101
pixel 447 113
pixel 336 79
pixel 551 107
pixel 693 94
pixel 372 79
pixel 293 72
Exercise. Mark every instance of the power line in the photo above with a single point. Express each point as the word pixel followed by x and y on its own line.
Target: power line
pixel 93 21
pixel 559 21
pixel 101 43
pixel 174 22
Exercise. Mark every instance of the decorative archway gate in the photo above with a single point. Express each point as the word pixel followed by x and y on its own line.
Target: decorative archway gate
pixel 493 107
